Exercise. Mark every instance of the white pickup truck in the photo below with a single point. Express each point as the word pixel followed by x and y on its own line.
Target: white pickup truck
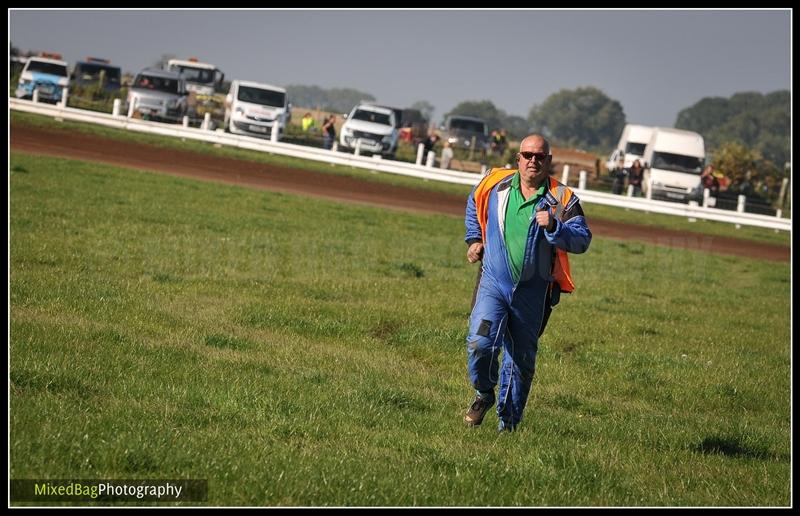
pixel 375 127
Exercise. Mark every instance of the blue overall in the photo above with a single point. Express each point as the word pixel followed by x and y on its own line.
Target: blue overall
pixel 507 315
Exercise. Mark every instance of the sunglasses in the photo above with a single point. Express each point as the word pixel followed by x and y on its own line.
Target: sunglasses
pixel 540 156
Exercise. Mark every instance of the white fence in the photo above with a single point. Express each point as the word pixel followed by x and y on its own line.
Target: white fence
pixel 375 163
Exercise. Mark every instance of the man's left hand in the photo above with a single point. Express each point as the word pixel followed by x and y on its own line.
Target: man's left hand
pixel 545 220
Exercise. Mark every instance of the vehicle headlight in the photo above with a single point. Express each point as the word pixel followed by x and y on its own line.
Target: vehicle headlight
pixel 239 111
pixel 387 139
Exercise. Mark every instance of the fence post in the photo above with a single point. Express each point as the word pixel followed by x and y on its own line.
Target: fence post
pixel 64 95
pixel 431 159
pixel 483 170
pixel 693 204
pixel 357 150
pixel 115 109
pixel 185 121
pixel 276 128
pixel 131 108
pixel 335 146
pixel 740 207
pixel 420 151
pixel 706 195
pixel 565 174
pixel 206 121
pixel 782 195
pixel 582 180
pixel 649 188
pixel 35 96
pixel 630 190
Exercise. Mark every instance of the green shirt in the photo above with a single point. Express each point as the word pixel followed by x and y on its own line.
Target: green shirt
pixel 519 215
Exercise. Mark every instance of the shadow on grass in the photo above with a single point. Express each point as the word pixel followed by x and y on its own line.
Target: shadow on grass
pixel 735 447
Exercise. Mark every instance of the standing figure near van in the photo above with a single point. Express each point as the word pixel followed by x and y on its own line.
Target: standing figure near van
pixel 618 184
pixel 635 176
pixel 329 132
pixel 521 223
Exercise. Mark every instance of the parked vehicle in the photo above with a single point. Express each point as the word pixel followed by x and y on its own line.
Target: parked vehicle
pixel 466 132
pixel 47 75
pixel 256 109
pixel 673 161
pixel 93 71
pixel 159 94
pixel 203 82
pixel 375 126
pixel 631 146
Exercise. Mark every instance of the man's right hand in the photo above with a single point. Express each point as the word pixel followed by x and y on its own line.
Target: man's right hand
pixel 475 252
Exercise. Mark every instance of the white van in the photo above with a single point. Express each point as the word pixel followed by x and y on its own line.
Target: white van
pixel 375 126
pixel 631 146
pixel 673 161
pixel 255 109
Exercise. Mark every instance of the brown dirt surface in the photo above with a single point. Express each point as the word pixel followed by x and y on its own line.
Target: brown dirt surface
pixel 205 167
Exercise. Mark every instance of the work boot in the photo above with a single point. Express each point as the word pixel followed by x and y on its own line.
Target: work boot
pixel 478 410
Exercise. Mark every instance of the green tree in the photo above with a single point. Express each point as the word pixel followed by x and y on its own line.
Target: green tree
pixel 585 118
pixel 516 126
pixel 484 109
pixel 749 118
pixel 424 107
pixel 749 173
pixel 339 100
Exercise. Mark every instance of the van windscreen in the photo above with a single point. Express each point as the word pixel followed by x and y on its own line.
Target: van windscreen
pixel 91 72
pixel 677 163
pixel 150 82
pixel 468 125
pixel 201 75
pixel 635 148
pixel 50 68
pixel 371 116
pixel 261 96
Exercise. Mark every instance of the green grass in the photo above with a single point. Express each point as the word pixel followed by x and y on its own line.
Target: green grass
pixel 29 119
pixel 592 210
pixel 308 353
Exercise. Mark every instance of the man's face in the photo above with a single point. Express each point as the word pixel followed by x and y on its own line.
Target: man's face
pixel 533 160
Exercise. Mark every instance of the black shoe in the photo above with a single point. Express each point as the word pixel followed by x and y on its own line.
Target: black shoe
pixel 478 410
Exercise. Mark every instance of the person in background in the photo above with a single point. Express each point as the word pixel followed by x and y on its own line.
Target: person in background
pixel 635 176
pixel 447 155
pixel 308 123
pixel 329 132
pixel 427 146
pixel 709 180
pixel 619 173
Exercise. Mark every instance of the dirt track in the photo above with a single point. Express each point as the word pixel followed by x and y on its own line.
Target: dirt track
pixel 115 152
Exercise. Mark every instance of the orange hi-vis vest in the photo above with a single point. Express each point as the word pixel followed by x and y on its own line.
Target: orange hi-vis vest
pixel 561 272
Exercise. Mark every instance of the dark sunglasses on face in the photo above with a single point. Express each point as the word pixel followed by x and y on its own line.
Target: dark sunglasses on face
pixel 540 156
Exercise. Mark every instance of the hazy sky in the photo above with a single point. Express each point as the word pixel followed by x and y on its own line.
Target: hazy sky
pixel 655 63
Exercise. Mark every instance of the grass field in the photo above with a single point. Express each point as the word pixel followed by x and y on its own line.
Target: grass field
pixel 300 352
pixel 592 210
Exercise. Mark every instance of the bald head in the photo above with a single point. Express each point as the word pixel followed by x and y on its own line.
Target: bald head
pixel 534 141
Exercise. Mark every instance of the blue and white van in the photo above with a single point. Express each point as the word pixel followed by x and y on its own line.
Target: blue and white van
pixel 46 75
